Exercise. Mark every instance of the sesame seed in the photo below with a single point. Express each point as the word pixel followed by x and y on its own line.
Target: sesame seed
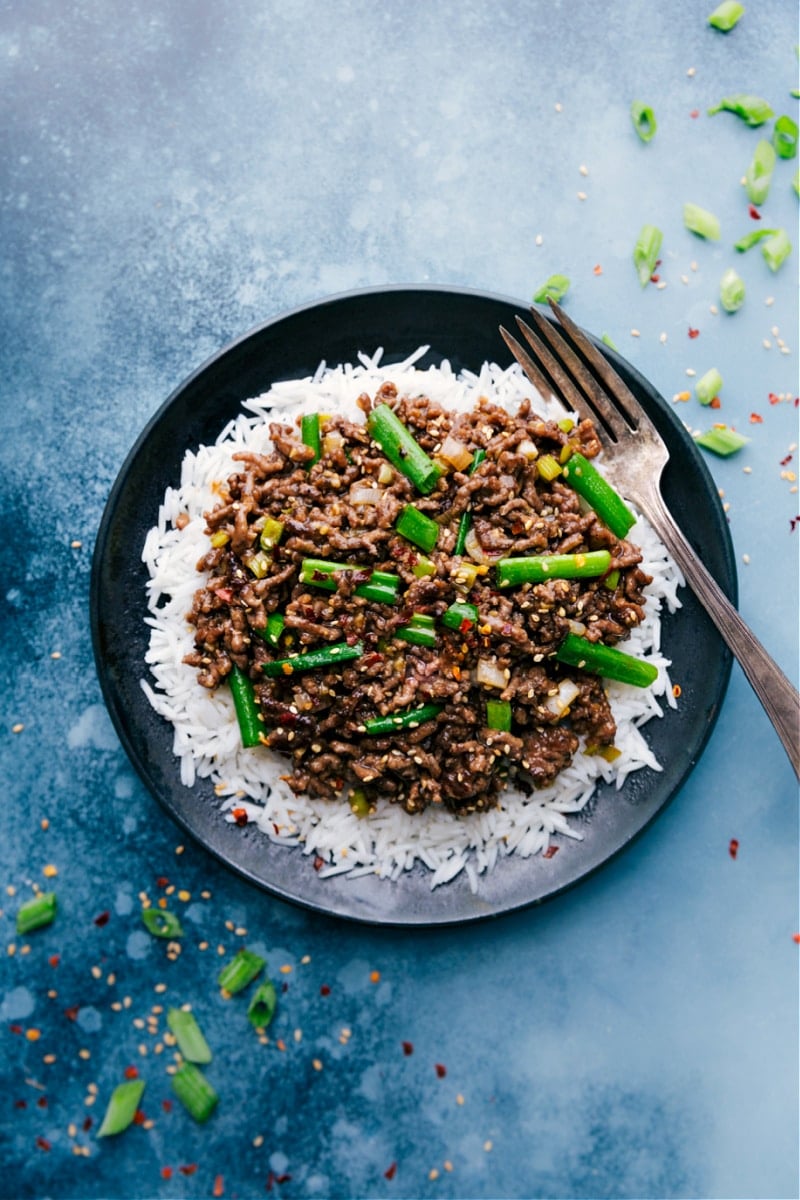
pixel 316 1064
pixel 745 558
pixel 662 337
pixel 538 240
pixel 17 728
pixel 767 344
pixel 692 72
pixel 635 333
pixel 582 196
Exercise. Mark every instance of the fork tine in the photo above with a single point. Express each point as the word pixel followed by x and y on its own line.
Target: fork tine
pixel 542 385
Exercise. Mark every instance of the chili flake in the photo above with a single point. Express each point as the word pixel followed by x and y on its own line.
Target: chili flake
pixel 188 1169
pixel 390 1171
pixel 408 1048
pixel 733 847
pixel 441 1070
pixel 325 990
pixel 219 1186
pixel 755 419
pixel 676 690
pixel 550 852
pixel 796 938
pixel 693 333
pixel 54 960
pixel 754 213
pixel 694 114
pixel 102 918
pixel 131 1073
pixel 43 1143
pixel 374 976
pixel 597 269
pixel 166 1172
pixel 240 816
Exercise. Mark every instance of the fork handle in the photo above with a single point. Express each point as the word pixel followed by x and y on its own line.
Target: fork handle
pixel 779 698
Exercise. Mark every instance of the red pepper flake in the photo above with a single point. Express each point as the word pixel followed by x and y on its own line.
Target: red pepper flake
pixel 15 1028
pixel 41 1102
pixel 225 594
pixel 102 918
pixel 162 881
pixel 755 419
pixel 676 690
pixel 284 1178
pixel 597 269
pixel 20 1104
pixel 694 114
pixel 441 1070
pixel 42 1143
pixel 131 1073
pixel 733 847
pixel 390 1171
pixel 219 1186
pixel 166 1172
pixel 166 1105
pixel 793 523
pixel 138 1117
pixel 188 1169
pixel 773 399
pixel 465 625
pixel 88 1122
pixel 655 277
pixel 796 938
pixel 693 333
pixel 785 461
pixel 71 1013
pixel 54 960
pixel 324 990
pixel 550 852
pixel 408 1048
pixel 319 863
pixel 754 213
pixel 240 816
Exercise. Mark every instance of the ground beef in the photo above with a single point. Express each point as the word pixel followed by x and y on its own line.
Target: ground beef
pixel 316 719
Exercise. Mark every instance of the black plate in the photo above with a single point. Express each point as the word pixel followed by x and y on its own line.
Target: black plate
pixel 461 326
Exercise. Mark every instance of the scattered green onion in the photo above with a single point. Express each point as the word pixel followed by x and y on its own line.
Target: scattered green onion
pixel 261 1008
pixel 555 287
pixel 458 613
pixel 607 340
pixel 247 710
pixel 276 623
pixel 644 121
pixel 758 176
pixel 258 564
pixel 194 1091
pixel 607 661
pixel 538 567
pixel 726 15
pixel 309 431
pixel 611 580
pixel 587 481
pixel 359 803
pixel 420 631
pixel 419 528
pixel 466 517
pixel 498 715
pixel 708 386
pixel 796 181
pixel 189 1036
pixel 751 239
pixel 646 251
pixel 37 912
pixel 220 537
pixel 323 656
pixel 381 587
pixel 409 719
pixel 701 221
pixel 721 440
pixel 402 449
pixel 423 567
pixel 241 970
pixel 776 249
pixel 731 291
pixel 122 1107
pixel 162 923
pixel 784 137
pixel 547 467
pixel 753 110
pixel 271 533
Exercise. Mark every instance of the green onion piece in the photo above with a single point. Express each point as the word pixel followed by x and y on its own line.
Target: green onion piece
pixel 359 803
pixel 587 481
pixel 607 661
pixel 241 970
pixel 309 431
pixel 402 449
pixel 409 719
pixel 701 221
pixel 607 340
pixel 194 1091
pixel 257 564
pixel 122 1107
pixel 466 517
pixel 721 440
pixel 566 424
pixel 646 251
pixel 189 1036
pixel 423 567
pixel 796 181
pixel 538 567
pixel 261 1008
pixel 731 291
pixel 611 580
pixel 323 656
pixel 784 137
pixel 776 249
pixel 547 467
pixel 220 537
pixel 276 623
pixel 751 239
pixel 644 121
pixel 381 586
pixel 420 631
pixel 458 613
pixel 247 710
pixel 753 110
pixel 271 533
pixel 37 912
pixel 758 176
pixel 555 287
pixel 726 15
pixel 162 923
pixel 708 386
pixel 498 715
pixel 418 528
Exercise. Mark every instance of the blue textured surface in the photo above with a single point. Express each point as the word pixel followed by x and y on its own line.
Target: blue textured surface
pixel 172 176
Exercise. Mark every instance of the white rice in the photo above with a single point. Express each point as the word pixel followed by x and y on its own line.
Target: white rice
pixel 206 735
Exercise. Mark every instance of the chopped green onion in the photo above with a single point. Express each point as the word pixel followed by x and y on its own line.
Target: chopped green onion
pixel 784 137
pixel 607 340
pixel 261 1008
pixel 555 287
pixel 258 564
pixel 644 121
pixel 751 239
pixel 466 517
pixel 420 631
pixel 498 715
pixel 753 110
pixel 276 623
pixel 708 386
pixel 402 449
pixel 162 923
pixel 220 537
pixel 37 912
pixel 587 481
pixel 420 529
pixel 721 440
pixel 731 291
pixel 776 249
pixel 726 15
pixel 611 580
pixel 701 221
pixel 598 659
pixel 189 1036
pixel 271 533
pixel 538 567
pixel 423 567
pixel 381 586
pixel 247 710
pixel 122 1107
pixel 646 251
pixel 409 719
pixel 241 970
pixel 458 613
pixel 548 467
pixel 309 431
pixel 323 656
pixel 796 181
pixel 359 803
pixel 194 1091
pixel 758 176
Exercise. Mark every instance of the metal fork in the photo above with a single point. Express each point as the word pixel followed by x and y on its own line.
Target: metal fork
pixel 634 456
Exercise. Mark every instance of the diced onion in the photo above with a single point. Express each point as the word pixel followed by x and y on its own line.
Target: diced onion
pixel 455 453
pixel 332 442
pixel 561 700
pixel 476 551
pixel 528 450
pixel 490 675
pixel 365 495
pixel 386 474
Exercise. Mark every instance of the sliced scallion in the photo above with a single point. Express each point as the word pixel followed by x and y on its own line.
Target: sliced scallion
pixel 598 493
pixel 276 622
pixel 708 386
pixel 721 440
pixel 241 970
pixel 162 923
pixel 402 449
pixel 37 912
pixel 776 249
pixel 420 631
pixel 498 715
pixel 555 287
pixel 309 431
pixel 381 587
pixel 752 239
pixel 423 567
pixel 548 467
pixel 537 568
pixel 599 659
pixel 784 137
pixel 644 121
pixel 460 616
pixel 731 291
pixel 419 528
pixel 312 660
pixel 726 15
pixel 189 1036
pixel 271 533
pixel 607 340
pixel 248 714
pixel 646 252
pixel 700 221
pixel 465 523
pixel 753 110
pixel 758 176
pixel 194 1091
pixel 261 1008
pixel 122 1107
pixel 409 719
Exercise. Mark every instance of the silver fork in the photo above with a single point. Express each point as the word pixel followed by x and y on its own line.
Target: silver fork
pixel 634 456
